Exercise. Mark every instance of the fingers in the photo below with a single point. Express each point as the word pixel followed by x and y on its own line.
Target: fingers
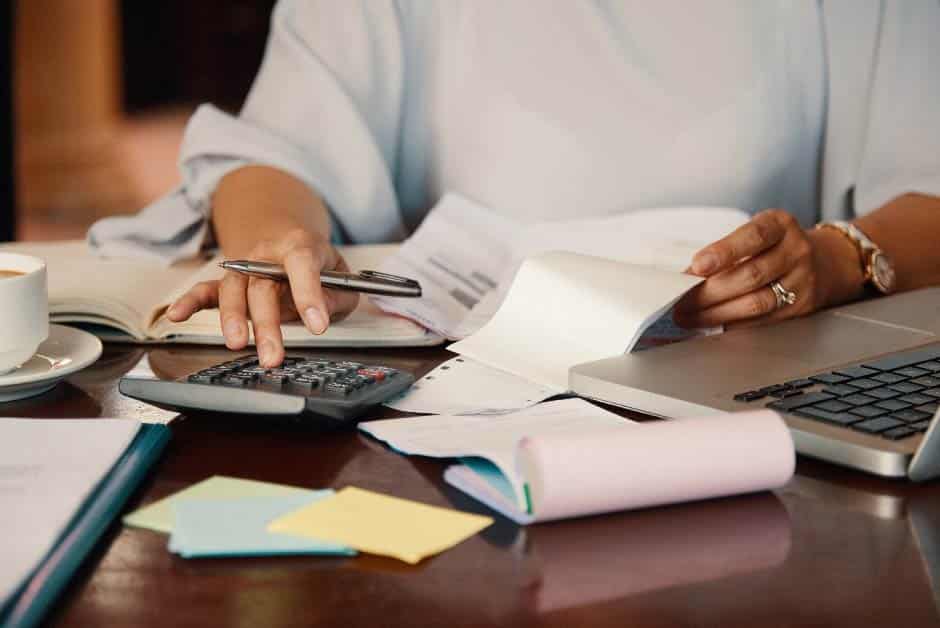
pixel 750 275
pixel 759 305
pixel 762 232
pixel 233 310
pixel 303 271
pixel 264 307
pixel 202 296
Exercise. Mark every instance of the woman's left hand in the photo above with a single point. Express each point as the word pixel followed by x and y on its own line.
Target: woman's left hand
pixel 820 267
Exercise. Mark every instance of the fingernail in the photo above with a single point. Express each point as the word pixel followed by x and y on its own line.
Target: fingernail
pixel 266 351
pixel 704 263
pixel 315 320
pixel 233 329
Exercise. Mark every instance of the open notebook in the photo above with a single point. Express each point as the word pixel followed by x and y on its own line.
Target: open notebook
pixel 124 300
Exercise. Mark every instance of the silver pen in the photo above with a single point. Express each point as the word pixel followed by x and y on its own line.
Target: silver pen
pixel 368 281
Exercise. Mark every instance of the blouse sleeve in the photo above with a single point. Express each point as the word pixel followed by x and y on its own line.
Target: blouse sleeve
pixel 901 149
pixel 883 123
pixel 325 108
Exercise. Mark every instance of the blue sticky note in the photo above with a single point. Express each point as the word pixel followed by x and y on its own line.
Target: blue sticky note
pixel 237 527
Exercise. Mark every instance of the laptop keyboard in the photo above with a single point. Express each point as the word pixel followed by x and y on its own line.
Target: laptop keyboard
pixel 893 397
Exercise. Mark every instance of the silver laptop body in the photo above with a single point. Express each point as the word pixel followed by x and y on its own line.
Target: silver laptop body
pixel 703 375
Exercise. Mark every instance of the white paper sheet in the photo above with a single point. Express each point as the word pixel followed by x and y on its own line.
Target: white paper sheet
pixel 564 309
pixel 466 255
pixel 47 470
pixel 491 437
pixel 464 386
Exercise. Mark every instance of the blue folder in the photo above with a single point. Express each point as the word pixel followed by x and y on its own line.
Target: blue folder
pixel 39 592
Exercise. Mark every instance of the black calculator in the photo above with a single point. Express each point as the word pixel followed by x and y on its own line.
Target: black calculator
pixel 302 390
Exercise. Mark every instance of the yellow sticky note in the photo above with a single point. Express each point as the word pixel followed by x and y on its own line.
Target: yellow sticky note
pixel 158 516
pixel 380 524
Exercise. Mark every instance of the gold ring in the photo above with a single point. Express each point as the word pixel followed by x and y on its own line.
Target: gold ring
pixel 783 296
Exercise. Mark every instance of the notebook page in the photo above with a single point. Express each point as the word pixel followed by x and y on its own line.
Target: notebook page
pixel 366 326
pixel 564 309
pixel 119 292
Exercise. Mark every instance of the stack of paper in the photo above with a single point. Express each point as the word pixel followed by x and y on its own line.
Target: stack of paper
pixel 224 516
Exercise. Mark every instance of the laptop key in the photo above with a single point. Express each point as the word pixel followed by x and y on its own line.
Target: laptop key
pixel 910 415
pixel 888 378
pixel 806 383
pixel 858 399
pixel 884 393
pixel 912 371
pixel 907 358
pixel 916 399
pixel 893 405
pixel 926 380
pixel 920 426
pixel 750 395
pixel 769 390
pixel 933 392
pixel 933 366
pixel 855 371
pixel 898 433
pixel 830 378
pixel 839 418
pixel 906 387
pixel 833 405
pixel 874 426
pixel 840 390
pixel 786 392
pixel 865 383
pixel 929 408
pixel 798 401
pixel 868 412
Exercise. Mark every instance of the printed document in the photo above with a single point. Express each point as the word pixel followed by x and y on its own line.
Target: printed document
pixel 466 255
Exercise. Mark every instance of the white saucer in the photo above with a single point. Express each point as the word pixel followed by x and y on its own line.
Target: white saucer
pixel 64 352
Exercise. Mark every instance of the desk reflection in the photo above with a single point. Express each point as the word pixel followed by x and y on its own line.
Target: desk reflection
pixel 613 556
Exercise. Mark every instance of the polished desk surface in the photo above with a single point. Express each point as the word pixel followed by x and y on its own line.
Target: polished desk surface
pixel 832 548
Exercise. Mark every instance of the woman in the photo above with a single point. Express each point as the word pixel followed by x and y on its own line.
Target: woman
pixel 364 113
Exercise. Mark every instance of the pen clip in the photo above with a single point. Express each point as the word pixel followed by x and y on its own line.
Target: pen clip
pixel 374 274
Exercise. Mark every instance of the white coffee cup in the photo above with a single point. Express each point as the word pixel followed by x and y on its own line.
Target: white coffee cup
pixel 24 309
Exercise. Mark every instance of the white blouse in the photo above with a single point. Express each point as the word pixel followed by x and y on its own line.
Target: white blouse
pixel 559 109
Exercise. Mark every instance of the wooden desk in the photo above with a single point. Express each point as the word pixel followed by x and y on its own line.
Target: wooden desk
pixel 833 548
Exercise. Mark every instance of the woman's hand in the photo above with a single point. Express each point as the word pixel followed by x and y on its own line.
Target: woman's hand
pixel 821 267
pixel 267 303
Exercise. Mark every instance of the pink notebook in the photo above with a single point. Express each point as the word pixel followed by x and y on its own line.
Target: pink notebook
pixel 562 473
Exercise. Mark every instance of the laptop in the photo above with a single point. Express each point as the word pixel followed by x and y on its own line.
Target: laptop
pixel 858 385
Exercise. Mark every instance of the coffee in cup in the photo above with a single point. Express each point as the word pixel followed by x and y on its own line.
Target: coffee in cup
pixel 24 308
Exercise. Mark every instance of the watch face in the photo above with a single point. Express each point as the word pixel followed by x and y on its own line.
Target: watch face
pixel 882 273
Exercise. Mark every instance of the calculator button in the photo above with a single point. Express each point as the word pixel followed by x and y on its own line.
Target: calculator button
pixel 236 382
pixel 337 389
pixel 276 381
pixel 373 373
pixel 200 378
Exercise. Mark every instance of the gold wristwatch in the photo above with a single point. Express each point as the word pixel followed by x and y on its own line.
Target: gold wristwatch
pixel 877 267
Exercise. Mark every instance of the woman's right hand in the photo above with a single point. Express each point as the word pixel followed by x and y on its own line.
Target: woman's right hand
pixel 267 303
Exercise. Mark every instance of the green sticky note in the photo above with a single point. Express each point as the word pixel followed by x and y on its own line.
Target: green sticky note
pixel 159 515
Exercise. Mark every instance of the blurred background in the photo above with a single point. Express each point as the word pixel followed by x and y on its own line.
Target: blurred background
pixel 95 97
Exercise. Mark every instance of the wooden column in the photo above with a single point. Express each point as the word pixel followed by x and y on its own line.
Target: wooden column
pixel 68 99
